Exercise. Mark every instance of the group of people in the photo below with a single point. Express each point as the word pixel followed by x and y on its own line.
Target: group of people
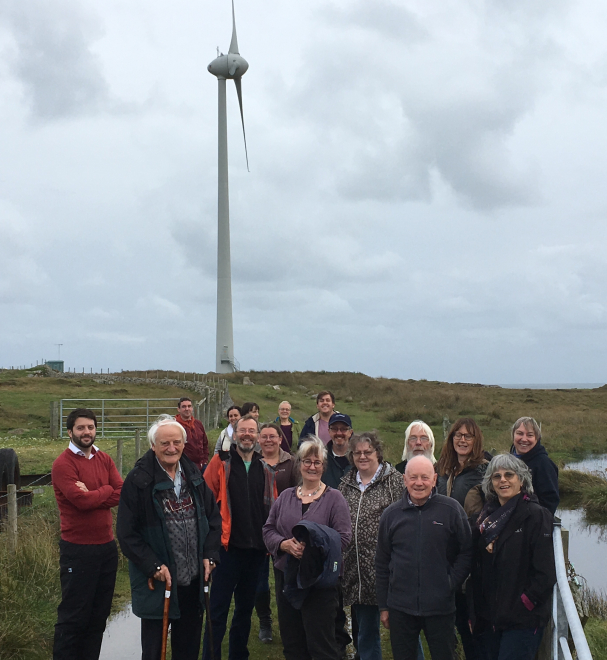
pixel 463 543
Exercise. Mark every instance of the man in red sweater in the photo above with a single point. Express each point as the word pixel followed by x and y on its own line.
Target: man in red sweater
pixel 197 444
pixel 87 485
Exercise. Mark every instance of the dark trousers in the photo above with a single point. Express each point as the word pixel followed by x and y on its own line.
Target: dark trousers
pixel 509 644
pixel 463 628
pixel 185 631
pixel 405 630
pixel 342 638
pixel 88 576
pixel 308 633
pixel 237 575
pixel 262 596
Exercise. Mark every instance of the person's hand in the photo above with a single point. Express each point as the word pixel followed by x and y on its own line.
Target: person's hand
pixel 82 487
pixel 209 567
pixel 384 617
pixel 163 575
pixel 293 547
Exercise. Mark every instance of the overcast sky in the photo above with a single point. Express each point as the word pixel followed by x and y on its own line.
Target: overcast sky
pixel 426 198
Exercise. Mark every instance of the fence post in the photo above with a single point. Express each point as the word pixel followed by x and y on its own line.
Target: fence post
pixel 12 517
pixel 445 428
pixel 119 446
pixel 137 444
pixel 54 419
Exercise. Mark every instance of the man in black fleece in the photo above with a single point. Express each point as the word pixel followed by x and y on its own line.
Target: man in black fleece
pixel 424 554
pixel 527 445
pixel 244 488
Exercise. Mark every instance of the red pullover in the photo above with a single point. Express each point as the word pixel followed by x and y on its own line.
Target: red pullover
pixel 86 517
pixel 197 446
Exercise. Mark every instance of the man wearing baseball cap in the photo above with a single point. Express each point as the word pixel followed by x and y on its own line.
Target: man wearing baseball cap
pixel 340 430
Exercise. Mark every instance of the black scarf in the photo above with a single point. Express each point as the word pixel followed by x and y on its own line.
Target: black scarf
pixel 493 519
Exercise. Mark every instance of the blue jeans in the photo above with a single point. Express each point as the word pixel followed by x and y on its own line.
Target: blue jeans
pixel 237 574
pixel 510 644
pixel 369 645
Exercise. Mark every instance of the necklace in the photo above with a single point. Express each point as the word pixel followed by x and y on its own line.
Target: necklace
pixel 302 494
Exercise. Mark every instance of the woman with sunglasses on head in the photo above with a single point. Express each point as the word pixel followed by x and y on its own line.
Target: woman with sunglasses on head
pixel 461 468
pixel 369 488
pixel 513 569
pixel 308 632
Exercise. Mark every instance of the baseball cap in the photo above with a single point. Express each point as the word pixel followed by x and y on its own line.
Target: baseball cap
pixel 340 417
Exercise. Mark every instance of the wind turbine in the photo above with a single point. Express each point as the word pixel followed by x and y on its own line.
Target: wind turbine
pixel 226 67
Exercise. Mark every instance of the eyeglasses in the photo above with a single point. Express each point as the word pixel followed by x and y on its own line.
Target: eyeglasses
pixel 465 436
pixel 366 454
pixel 309 463
pixel 421 438
pixel 498 476
pixel 269 437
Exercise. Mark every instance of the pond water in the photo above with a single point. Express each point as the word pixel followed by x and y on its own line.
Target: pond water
pixel 596 463
pixel 587 537
pixel 121 640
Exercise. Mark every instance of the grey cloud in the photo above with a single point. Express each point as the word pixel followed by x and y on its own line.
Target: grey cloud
pixel 52 57
pixel 388 19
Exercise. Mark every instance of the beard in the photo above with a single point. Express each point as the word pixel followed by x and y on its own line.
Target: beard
pixel 245 450
pixel 83 441
pixel 428 454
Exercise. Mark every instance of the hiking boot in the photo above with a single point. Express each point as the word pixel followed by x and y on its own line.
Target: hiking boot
pixel 265 634
pixel 264 612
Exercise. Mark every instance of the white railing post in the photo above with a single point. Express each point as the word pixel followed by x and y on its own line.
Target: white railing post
pixel 564 609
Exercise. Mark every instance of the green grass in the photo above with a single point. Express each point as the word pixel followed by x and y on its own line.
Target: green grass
pixel 596 634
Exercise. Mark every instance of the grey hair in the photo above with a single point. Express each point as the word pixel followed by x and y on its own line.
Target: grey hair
pixel 428 431
pixel 530 424
pixel 312 445
pixel 370 437
pixel 507 462
pixel 165 420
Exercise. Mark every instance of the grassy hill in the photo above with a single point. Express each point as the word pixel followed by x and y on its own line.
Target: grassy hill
pixel 574 422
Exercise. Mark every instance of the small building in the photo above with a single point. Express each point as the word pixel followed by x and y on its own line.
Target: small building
pixel 55 365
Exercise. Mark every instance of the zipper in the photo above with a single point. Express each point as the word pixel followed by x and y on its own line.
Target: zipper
pixel 419 556
pixel 360 585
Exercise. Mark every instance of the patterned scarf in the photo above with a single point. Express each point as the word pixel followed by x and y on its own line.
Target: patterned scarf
pixel 493 519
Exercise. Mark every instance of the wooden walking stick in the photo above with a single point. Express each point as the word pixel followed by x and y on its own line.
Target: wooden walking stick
pixel 165 617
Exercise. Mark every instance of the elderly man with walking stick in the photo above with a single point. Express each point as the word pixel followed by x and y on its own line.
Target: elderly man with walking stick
pixel 169 528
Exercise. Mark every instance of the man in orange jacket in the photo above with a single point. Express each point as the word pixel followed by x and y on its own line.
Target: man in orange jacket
pixel 245 489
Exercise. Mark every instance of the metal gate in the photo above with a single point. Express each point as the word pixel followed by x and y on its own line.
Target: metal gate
pixel 119 417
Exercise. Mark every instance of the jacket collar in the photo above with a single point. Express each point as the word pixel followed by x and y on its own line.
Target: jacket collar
pixel 148 470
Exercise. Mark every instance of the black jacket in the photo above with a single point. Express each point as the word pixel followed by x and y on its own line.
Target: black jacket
pixel 522 562
pixel 544 476
pixel 248 508
pixel 423 555
pixel 319 566
pixel 143 535
pixel 334 471
pixel 463 482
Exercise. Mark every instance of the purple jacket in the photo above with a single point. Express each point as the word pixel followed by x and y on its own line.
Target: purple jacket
pixel 329 509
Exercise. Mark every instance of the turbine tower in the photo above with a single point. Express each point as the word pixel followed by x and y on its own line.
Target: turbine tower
pixel 226 67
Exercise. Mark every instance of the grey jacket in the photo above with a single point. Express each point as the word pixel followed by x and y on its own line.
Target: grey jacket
pixel 423 555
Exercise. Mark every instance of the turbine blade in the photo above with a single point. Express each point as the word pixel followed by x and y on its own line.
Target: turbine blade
pixel 234 42
pixel 237 82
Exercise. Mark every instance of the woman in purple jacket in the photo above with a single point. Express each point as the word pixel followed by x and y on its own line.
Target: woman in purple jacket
pixel 307 633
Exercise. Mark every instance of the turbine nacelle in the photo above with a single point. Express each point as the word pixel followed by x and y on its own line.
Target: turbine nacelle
pixel 230 66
